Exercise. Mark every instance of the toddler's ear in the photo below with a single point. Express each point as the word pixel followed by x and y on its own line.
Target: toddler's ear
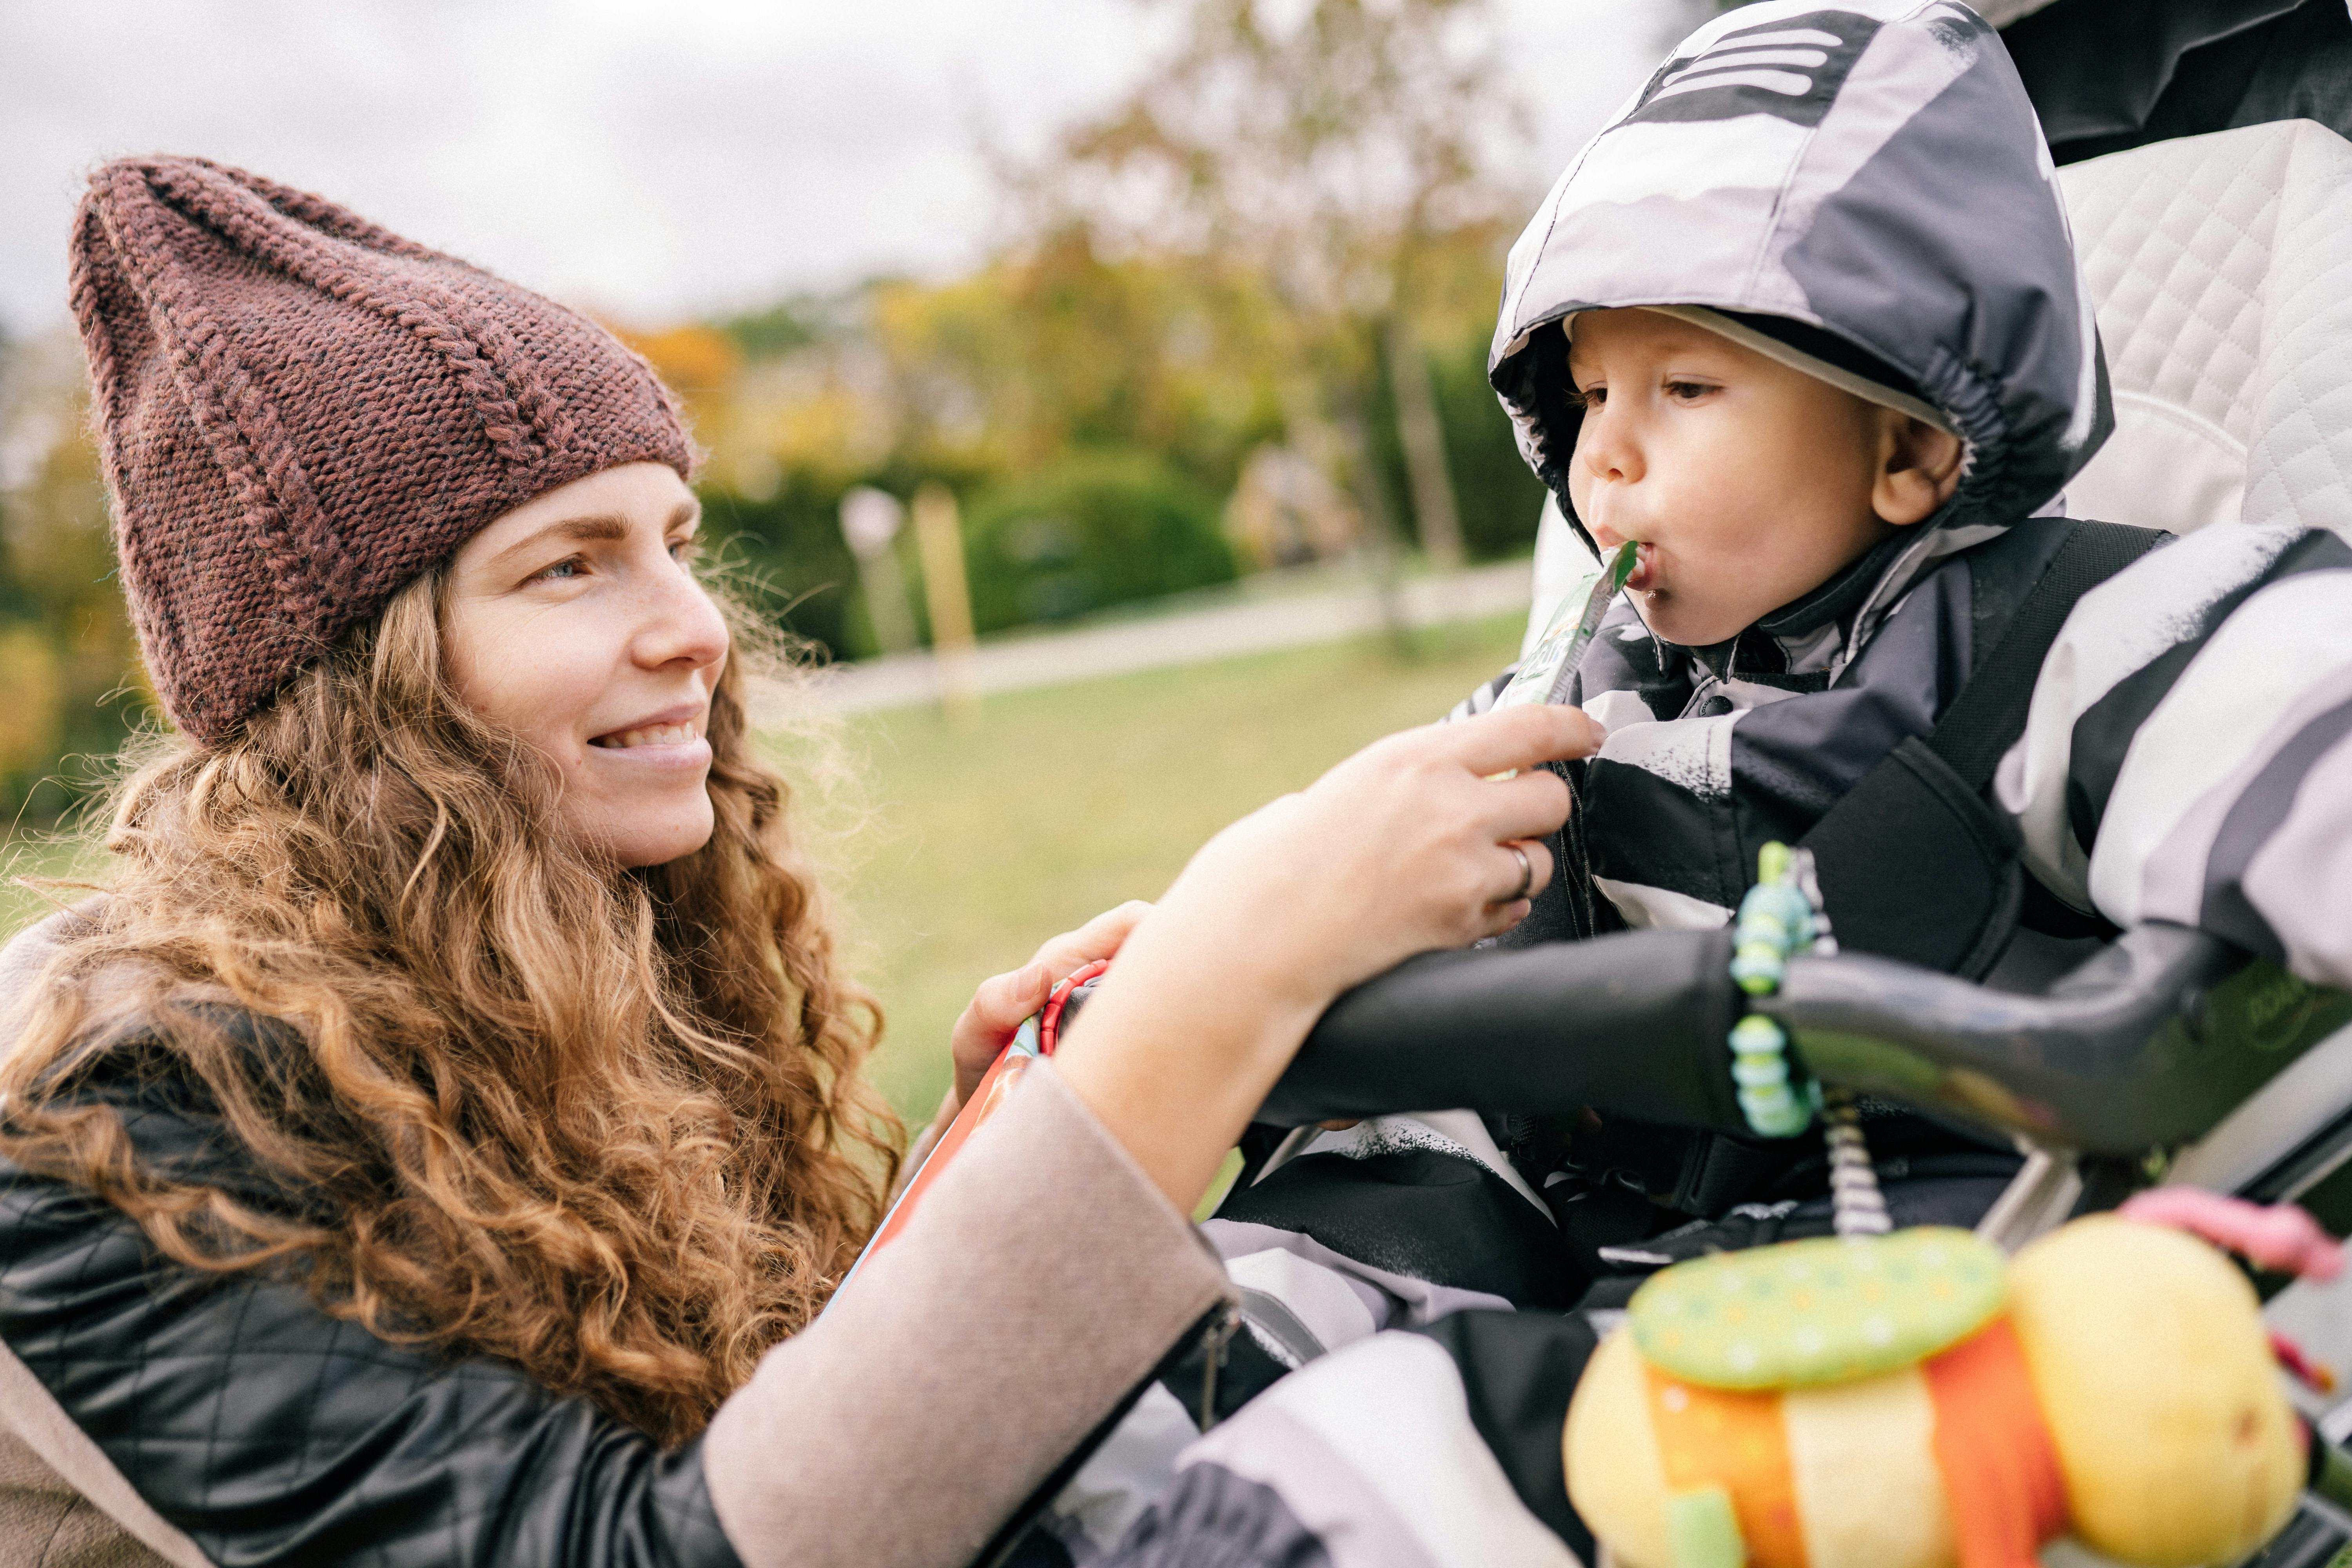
pixel 1919 466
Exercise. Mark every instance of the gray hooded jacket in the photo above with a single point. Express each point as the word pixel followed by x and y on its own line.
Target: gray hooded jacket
pixel 1861 191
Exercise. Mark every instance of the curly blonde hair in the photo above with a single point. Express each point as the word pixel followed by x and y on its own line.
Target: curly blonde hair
pixel 608 1125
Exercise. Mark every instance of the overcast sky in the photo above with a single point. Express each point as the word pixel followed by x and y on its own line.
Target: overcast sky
pixel 649 160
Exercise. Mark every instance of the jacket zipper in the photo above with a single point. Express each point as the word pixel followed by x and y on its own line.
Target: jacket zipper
pixel 1216 1335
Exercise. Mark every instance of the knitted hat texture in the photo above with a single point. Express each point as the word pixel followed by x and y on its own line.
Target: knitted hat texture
pixel 300 413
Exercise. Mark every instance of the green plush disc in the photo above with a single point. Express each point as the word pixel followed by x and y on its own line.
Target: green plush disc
pixel 1817 1311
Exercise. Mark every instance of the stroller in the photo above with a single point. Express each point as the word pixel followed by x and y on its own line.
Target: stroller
pixel 2223 273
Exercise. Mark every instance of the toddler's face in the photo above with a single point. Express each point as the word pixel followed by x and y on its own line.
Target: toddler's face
pixel 1747 483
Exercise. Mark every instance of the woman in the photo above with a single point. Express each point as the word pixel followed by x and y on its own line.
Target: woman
pixel 437 1145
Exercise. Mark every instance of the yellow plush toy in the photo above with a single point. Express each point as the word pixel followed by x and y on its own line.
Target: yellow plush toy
pixel 1916 1400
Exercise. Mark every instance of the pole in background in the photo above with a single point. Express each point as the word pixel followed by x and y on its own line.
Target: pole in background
pixel 941 543
pixel 870 520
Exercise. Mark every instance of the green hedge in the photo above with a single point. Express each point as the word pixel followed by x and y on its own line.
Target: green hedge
pixel 1093 529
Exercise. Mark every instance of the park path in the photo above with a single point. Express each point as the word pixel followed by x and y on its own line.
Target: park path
pixel 1278 610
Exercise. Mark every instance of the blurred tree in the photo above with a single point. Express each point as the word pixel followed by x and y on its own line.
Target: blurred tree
pixel 1054 347
pixel 794 322
pixel 1051 362
pixel 1338 150
pixel 700 362
pixel 783 554
pixel 67 662
pixel 1287 237
pixel 1501 496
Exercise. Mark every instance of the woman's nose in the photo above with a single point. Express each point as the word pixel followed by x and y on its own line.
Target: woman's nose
pixel 682 624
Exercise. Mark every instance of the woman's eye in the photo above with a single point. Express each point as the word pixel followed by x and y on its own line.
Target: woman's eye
pixel 560 572
pixel 685 552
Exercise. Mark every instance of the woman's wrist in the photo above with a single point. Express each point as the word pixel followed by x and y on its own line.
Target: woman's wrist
pixel 1178 1049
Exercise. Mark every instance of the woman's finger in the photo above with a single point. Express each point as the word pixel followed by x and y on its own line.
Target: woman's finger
pixel 1524 737
pixel 991 1018
pixel 1003 1002
pixel 1531 805
pixel 1511 906
pixel 1101 937
pixel 1523 867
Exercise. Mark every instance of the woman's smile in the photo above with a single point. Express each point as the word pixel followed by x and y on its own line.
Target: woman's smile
pixel 660 740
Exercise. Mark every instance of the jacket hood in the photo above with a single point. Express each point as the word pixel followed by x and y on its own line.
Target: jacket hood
pixel 1871 174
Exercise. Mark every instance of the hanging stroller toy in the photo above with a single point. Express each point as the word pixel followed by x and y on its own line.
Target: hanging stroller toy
pixel 1917 1400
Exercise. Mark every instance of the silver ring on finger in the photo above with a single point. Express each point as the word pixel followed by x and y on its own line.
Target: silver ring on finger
pixel 1527 874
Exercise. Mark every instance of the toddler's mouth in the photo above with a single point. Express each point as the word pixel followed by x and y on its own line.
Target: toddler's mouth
pixel 1645 574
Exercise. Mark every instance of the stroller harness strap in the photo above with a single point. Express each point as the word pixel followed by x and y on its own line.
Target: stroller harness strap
pixel 1913 863
pixel 1986 719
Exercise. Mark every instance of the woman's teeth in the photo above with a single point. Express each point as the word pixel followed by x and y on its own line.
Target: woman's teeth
pixel 651 735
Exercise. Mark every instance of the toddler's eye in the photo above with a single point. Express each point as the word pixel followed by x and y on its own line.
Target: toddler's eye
pixel 1592 397
pixel 1688 391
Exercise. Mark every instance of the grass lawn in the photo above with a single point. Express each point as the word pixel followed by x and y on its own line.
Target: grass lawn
pixel 969 847
pixel 38 856
pixel 953 853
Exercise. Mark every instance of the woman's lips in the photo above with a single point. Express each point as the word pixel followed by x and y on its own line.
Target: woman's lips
pixel 1645 574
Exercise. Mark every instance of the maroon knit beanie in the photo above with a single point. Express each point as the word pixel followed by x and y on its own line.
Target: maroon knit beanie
pixel 300 413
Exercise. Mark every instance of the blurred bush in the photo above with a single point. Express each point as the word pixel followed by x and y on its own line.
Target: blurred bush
pixel 783 555
pixel 1065 383
pixel 1091 529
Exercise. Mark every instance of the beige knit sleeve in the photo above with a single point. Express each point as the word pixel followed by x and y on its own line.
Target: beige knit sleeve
pixel 1042 1278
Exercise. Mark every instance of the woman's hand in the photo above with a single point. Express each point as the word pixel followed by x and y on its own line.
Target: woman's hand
pixel 1407 846
pixel 1003 1002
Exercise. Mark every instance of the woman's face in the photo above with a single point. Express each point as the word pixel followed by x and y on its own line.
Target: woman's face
pixel 575 621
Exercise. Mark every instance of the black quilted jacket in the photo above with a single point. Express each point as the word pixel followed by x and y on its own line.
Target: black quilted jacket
pixel 271 1433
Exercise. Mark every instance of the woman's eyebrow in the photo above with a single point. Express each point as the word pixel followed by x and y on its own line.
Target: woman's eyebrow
pixel 576 529
pixel 688 515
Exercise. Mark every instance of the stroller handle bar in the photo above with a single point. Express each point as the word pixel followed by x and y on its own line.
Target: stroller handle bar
pixel 2147 1045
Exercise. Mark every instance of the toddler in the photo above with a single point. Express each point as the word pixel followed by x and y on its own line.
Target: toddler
pixel 1804 324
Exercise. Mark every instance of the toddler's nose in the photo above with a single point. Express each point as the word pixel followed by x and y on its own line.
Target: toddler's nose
pixel 1607 452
